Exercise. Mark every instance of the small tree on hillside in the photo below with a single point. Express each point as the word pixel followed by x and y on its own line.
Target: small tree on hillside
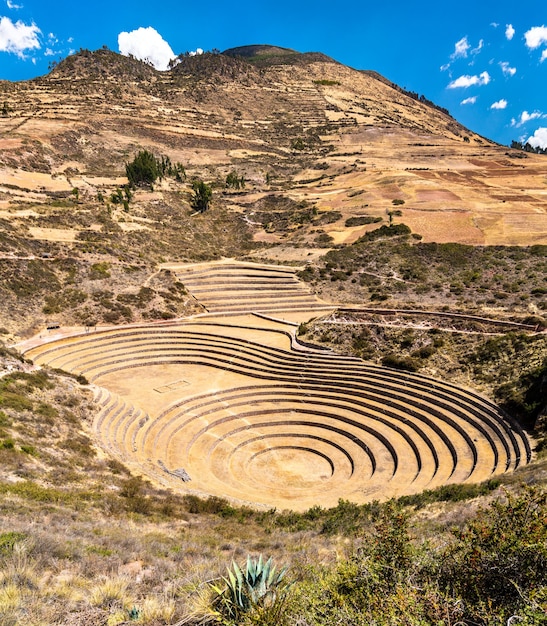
pixel 235 181
pixel 143 170
pixel 201 195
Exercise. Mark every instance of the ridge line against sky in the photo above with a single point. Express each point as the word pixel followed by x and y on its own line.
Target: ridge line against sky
pixel 486 64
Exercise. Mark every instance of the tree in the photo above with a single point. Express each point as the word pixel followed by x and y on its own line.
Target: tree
pixel 235 181
pixel 201 195
pixel 143 170
pixel 146 168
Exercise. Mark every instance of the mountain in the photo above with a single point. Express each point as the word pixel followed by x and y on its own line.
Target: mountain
pixel 340 138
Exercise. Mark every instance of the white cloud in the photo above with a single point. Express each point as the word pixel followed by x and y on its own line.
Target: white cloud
pixel 500 104
pixel 536 36
pixel 196 52
pixel 12 5
pixel 539 138
pixel 507 69
pixel 461 49
pixel 470 100
pixel 543 56
pixel 470 81
pixel 18 37
pixel 478 48
pixel 148 45
pixel 509 31
pixel 527 117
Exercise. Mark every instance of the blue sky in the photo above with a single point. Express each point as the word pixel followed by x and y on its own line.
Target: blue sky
pixel 484 60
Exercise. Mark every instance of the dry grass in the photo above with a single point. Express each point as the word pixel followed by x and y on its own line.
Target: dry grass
pixel 74 553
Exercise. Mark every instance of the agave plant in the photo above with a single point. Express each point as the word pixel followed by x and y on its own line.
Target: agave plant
pixel 259 588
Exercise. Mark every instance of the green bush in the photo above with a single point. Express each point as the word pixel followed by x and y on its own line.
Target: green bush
pixel 99 271
pixel 398 362
pixel 450 493
pixel 234 181
pixel 28 449
pixel 143 170
pixel 9 539
pixel 136 500
pixel 499 560
pixel 15 401
pixel 201 196
pixel 4 419
pixel 197 505
pixel 396 230
pixel 362 220
pixel 326 82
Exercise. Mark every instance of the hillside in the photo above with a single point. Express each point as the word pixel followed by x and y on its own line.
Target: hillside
pixel 320 365
pixel 337 138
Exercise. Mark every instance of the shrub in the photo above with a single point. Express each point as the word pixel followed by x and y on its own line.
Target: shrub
pixel 4 419
pixel 15 401
pixel 371 585
pixel 324 239
pixel 449 493
pixel 406 363
pixel 424 352
pixel 212 504
pixel 235 181
pixel 201 196
pixel 326 82
pixel 28 449
pixel 9 539
pixel 500 557
pixel 143 170
pixel 136 500
pixel 362 220
pixel 385 231
pixel 99 271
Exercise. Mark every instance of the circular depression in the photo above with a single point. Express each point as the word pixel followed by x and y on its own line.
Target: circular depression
pixel 290 466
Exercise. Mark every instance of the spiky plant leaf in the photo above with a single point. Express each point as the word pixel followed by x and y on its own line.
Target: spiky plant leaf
pixel 257 588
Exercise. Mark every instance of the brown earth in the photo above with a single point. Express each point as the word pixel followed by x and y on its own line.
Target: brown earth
pixel 311 131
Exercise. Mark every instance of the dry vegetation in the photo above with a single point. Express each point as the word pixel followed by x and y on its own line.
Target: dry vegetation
pixel 84 542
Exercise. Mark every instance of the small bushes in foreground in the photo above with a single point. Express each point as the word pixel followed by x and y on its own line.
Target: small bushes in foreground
pixel 495 567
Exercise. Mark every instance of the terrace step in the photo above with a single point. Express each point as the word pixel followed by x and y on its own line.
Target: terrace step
pixel 284 423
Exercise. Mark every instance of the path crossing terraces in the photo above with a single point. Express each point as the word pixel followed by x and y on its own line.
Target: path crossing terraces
pixel 236 407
